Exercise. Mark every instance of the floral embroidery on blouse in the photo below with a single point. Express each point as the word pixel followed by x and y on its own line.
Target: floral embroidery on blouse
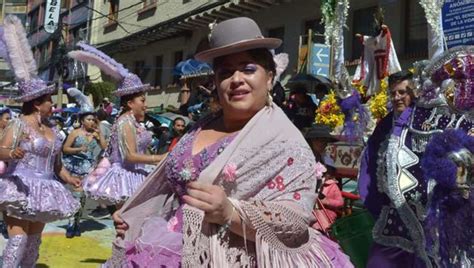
pixel 183 167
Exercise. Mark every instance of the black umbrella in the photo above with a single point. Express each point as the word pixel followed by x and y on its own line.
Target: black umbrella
pixel 308 82
pixel 302 78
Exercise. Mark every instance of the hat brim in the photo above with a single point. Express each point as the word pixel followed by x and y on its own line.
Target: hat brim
pixel 133 90
pixel 211 54
pixel 36 94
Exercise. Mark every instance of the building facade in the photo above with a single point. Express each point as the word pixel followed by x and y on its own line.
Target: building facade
pixel 149 37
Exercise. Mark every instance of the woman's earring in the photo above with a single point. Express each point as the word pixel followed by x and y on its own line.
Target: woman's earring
pixel 269 98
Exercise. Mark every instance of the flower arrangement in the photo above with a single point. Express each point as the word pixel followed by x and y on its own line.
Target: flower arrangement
pixel 329 112
pixel 360 88
pixel 378 103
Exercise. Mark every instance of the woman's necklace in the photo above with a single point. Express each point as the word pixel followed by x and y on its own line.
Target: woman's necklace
pixel 38 124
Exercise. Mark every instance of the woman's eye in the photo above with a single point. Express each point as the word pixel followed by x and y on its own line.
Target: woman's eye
pixel 250 68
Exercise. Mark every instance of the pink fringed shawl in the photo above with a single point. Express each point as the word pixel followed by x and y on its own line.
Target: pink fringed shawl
pixel 273 191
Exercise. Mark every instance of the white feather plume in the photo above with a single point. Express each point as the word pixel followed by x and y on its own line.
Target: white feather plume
pixel 19 50
pixel 81 99
pixel 281 61
pixel 90 58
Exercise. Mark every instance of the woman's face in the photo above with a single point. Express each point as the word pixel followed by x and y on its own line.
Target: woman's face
pixel 138 106
pixel 88 122
pixel 242 85
pixel 4 119
pixel 45 108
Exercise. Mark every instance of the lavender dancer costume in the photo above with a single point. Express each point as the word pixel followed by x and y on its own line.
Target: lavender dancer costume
pixel 122 179
pixel 391 180
pixel 29 189
pixel 161 241
pixel 31 181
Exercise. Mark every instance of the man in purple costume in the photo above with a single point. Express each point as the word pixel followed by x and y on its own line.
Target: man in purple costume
pixel 393 245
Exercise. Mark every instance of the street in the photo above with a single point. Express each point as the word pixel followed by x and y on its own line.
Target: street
pixel 91 249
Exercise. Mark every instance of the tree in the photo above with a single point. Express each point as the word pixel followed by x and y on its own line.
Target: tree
pixel 100 91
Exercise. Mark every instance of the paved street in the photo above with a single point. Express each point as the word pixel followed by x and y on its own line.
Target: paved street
pixel 89 250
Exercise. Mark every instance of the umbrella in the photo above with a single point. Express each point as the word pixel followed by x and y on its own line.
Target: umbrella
pixel 302 78
pixel 71 110
pixel 192 68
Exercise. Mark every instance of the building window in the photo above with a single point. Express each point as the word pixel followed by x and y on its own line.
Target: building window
pixel 158 70
pixel 278 33
pixel 317 28
pixel 416 30
pixel 113 10
pixel 147 3
pixel 362 23
pixel 178 56
pixel 64 5
pixel 140 69
pixel 315 25
pixel 34 20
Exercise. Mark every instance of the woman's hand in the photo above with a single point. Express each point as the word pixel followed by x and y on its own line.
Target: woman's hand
pixel 120 226
pixel 96 133
pixel 74 181
pixel 17 153
pixel 212 200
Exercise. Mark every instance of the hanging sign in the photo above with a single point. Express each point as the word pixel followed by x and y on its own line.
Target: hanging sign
pixel 458 22
pixel 51 16
pixel 320 60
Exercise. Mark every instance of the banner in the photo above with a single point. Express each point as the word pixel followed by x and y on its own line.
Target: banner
pixel 51 16
pixel 458 22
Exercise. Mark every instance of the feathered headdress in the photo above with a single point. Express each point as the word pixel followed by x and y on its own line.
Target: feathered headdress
pixel 83 101
pixel 129 83
pixel 281 60
pixel 15 49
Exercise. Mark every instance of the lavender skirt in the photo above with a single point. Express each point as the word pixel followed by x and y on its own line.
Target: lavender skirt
pixel 115 186
pixel 159 245
pixel 36 197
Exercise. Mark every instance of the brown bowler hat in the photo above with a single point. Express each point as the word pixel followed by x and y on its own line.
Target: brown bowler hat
pixel 235 35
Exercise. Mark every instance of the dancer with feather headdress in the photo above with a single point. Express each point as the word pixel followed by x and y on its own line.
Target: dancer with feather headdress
pixel 81 152
pixel 116 180
pixel 30 194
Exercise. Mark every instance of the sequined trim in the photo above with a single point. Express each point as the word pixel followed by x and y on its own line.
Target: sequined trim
pixel 394 192
pixel 439 61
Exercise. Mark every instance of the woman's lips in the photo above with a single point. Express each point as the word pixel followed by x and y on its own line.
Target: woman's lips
pixel 238 94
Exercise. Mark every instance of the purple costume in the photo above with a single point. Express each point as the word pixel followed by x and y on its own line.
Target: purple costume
pixel 393 188
pixel 160 243
pixel 29 188
pixel 121 179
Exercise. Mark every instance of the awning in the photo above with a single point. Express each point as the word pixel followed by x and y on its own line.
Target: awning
pixel 218 11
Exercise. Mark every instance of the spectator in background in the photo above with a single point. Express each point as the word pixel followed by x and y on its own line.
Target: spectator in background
pixel 5 117
pixel 194 97
pixel 301 108
pixel 165 139
pixel 179 125
pixel 321 90
pixel 278 94
pixel 108 107
pixel 318 138
pixel 104 125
